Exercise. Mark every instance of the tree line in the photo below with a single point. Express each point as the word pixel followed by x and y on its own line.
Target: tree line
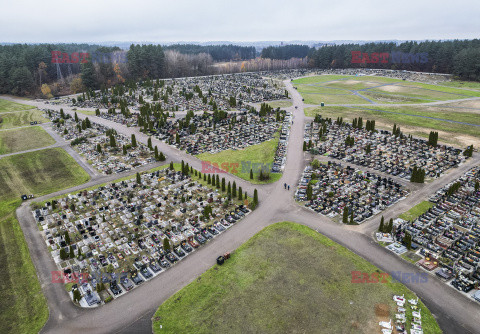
pixel 287 51
pixel 217 52
pixel 458 57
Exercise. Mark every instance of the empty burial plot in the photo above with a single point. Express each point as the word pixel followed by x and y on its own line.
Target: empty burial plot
pixel 286 279
pixel 23 308
pixel 17 140
pixel 9 106
pixel 40 172
pixel 21 118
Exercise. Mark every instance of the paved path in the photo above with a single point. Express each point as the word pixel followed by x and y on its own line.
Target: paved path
pixel 132 313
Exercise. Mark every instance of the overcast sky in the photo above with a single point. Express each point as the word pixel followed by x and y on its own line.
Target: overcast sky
pixel 208 20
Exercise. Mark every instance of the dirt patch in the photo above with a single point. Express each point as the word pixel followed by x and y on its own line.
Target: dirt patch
pixel 382 310
pixel 392 88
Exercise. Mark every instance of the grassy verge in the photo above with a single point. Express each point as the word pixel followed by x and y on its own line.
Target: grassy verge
pixel 287 278
pixel 263 153
pixel 17 140
pixel 23 308
pixel 21 118
pixel 416 211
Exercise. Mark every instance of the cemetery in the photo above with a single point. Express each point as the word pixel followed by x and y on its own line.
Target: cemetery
pixel 333 190
pixel 107 151
pixel 382 150
pixel 447 235
pixel 110 239
pixel 221 131
pixel 208 93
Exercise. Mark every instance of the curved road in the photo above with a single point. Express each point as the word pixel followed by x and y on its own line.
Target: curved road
pixel 132 313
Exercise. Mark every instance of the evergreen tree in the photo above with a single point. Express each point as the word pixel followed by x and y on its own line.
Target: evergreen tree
pixel 149 143
pixel 381 228
pixel 166 244
pixel 67 238
pixel 209 179
pixel 234 189
pixel 76 295
pixel 229 189
pixel 171 166
pixel 223 184
pixel 255 198
pixel 124 148
pixel 309 191
pixel 72 254
pixel 63 254
pixel 251 174
pixel 240 193
pixel 217 182
pixel 304 145
pixel 99 148
pixel 113 143
pixel 134 140
pixel 345 215
pixel 139 179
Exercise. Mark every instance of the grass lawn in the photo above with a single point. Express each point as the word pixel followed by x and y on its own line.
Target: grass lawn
pixel 7 106
pixel 23 308
pixel 17 140
pixel 263 153
pixel 416 211
pixel 86 112
pixel 280 104
pixel 21 118
pixel 462 84
pixel 336 89
pixel 286 279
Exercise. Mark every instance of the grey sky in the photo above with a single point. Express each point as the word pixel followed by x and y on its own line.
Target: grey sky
pixel 208 20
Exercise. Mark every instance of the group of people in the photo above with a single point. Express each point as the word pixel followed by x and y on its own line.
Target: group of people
pixel 286 186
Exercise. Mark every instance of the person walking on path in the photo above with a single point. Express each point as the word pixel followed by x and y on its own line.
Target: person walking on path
pixel 285 185
pixel 288 187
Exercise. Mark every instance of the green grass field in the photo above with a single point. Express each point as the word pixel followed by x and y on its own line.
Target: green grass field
pixel 8 106
pixel 286 279
pixel 17 140
pixel 416 211
pixel 23 308
pixel 280 104
pixel 261 153
pixel 21 118
pixel 337 89
pixel 86 112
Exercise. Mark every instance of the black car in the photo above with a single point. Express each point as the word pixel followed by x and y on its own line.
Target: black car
pixel 116 290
